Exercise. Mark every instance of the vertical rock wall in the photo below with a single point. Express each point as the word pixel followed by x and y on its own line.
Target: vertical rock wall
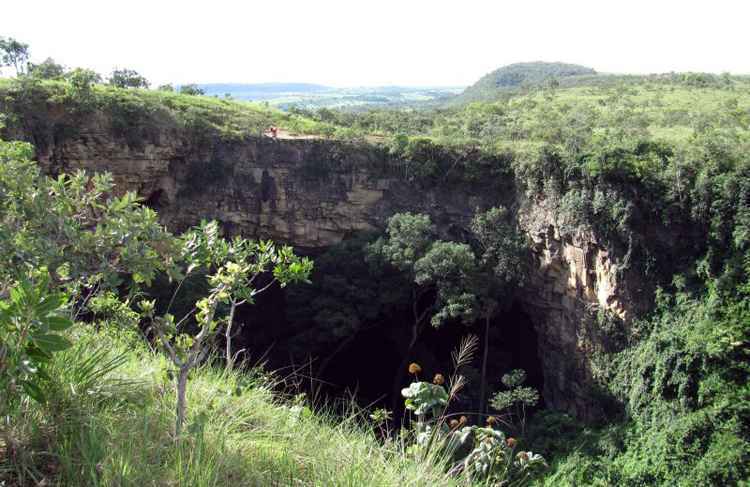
pixel 314 193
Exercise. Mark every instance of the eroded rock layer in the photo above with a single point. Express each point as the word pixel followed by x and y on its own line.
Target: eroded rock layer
pixel 314 193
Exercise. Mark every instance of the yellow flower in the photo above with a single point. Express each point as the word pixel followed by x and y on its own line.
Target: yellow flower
pixel 438 379
pixel 414 368
pixel 523 456
pixel 491 420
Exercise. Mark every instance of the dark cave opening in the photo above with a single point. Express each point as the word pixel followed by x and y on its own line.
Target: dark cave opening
pixel 364 369
pixel 154 200
pixel 364 366
pixel 515 339
pixel 368 364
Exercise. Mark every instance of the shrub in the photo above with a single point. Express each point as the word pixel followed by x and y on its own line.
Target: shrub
pixel 476 454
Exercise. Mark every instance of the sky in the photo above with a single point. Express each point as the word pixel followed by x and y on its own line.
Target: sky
pixel 375 43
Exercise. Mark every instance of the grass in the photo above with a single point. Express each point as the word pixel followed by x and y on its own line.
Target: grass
pixel 135 112
pixel 116 430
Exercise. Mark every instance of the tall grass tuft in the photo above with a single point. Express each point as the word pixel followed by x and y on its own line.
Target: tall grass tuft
pixel 109 423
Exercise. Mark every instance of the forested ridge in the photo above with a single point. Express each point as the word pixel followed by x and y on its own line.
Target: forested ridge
pixel 123 343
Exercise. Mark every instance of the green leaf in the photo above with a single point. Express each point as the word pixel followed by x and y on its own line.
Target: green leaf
pixel 34 391
pixel 58 323
pixel 423 397
pixel 39 355
pixel 49 342
pixel 18 295
pixel 50 303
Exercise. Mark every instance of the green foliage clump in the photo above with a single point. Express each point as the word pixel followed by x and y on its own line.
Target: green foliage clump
pixel 127 78
pixel 81 86
pixel 425 398
pixel 72 226
pixel 476 454
pixel 47 69
pixel 31 322
pixel 684 385
pixel 516 399
pixel 191 89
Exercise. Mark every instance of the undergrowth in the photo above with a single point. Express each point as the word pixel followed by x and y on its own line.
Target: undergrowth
pixel 110 419
pixel 684 383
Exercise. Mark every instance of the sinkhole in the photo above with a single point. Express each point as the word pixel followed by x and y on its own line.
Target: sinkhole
pixel 366 366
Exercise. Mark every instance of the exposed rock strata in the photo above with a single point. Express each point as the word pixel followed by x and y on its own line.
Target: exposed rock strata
pixel 314 193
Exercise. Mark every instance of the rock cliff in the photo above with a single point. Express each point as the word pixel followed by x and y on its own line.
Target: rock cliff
pixel 314 193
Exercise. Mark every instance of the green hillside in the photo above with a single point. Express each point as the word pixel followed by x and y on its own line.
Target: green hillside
pixel 515 76
pixel 671 108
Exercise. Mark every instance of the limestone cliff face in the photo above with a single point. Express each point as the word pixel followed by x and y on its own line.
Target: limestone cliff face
pixel 314 193
pixel 575 278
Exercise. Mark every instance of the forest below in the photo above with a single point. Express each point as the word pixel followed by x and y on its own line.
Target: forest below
pixel 151 332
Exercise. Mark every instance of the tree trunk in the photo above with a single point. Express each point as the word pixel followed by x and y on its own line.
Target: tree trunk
pixel 485 353
pixel 401 371
pixel 228 337
pixel 416 330
pixel 181 399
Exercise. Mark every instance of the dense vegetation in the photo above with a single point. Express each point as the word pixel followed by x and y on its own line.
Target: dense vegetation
pixel 77 305
pixel 91 353
pixel 637 163
pixel 135 115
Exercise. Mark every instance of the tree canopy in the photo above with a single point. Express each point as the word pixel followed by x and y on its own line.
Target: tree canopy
pixel 127 78
pixel 14 53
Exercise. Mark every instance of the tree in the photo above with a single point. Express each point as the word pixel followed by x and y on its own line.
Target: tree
pixel 514 401
pixel 165 87
pixel 454 281
pixel 127 78
pixel 500 249
pixel 234 268
pixel 81 81
pixel 435 268
pixel 191 89
pixel 259 258
pixel 62 240
pixel 48 69
pixel 14 53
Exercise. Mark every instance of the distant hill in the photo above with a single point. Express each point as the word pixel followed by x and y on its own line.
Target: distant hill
pixel 262 91
pixel 312 96
pixel 515 76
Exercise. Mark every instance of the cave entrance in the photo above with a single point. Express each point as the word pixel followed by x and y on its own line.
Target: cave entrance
pixel 514 345
pixel 154 200
pixel 364 369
